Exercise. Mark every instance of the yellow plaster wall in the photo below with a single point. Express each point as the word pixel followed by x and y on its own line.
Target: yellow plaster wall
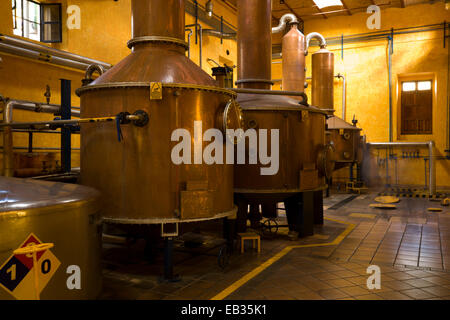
pixel 365 64
pixel 105 30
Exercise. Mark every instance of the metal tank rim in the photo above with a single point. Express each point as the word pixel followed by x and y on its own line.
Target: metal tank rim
pixel 170 40
pixel 62 208
pixel 168 220
pixel 124 85
pixel 280 191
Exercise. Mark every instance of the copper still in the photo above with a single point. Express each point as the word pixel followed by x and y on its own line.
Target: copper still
pixel 301 127
pixel 344 137
pixel 138 180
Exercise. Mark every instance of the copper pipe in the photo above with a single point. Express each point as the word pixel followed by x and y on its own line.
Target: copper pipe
pixel 323 79
pixel 254 39
pixel 294 76
pixel 158 18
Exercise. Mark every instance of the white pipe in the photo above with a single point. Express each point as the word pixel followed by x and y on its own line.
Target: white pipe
pixel 287 18
pixel 429 144
pixel 38 56
pixel 315 35
pixel 344 94
pixel 20 43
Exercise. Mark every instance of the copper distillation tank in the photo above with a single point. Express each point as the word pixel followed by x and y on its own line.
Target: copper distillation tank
pixel 301 128
pixel 344 137
pixel 139 182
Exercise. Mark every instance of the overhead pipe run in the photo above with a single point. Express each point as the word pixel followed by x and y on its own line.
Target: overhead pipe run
pixel 429 144
pixel 48 54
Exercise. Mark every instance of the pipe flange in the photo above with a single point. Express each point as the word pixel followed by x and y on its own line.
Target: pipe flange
pixel 143 118
pixel 176 41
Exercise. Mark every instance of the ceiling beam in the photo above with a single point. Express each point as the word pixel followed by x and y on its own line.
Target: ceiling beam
pixel 292 10
pixel 320 11
pixel 346 7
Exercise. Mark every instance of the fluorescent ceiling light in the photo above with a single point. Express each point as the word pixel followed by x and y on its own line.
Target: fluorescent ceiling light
pixel 327 3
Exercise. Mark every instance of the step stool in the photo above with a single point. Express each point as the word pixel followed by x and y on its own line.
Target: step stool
pixel 250 236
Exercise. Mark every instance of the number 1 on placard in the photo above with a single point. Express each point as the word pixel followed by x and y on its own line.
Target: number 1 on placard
pixel 12 270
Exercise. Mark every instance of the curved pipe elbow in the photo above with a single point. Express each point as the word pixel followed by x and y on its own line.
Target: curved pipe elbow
pixel 287 18
pixel 90 71
pixel 318 36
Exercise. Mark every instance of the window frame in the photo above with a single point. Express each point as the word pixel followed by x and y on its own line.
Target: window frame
pixel 41 21
pixel 416 79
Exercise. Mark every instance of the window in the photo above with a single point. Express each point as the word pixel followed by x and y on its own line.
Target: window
pixel 417 107
pixel 37 21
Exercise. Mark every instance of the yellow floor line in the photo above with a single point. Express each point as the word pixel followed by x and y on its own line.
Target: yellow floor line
pixel 239 283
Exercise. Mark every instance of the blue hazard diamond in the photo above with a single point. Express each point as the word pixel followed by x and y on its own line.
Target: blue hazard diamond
pixel 12 273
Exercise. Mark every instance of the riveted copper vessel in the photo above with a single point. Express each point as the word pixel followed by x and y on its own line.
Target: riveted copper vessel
pixel 293 48
pixel 301 128
pixel 137 178
pixel 344 136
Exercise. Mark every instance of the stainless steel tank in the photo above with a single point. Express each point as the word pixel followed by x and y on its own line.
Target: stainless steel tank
pixel 137 178
pixel 62 220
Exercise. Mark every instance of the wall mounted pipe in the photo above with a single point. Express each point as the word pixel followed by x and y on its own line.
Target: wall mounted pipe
pixel 344 94
pixel 189 41
pixel 200 43
pixel 10 105
pixel 429 144
pixel 286 19
pixel 51 52
pixel 38 56
pixel 318 36
pixel 218 34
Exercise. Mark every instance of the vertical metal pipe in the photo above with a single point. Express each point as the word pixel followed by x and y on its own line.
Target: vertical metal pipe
pixel 189 42
pixel 432 168
pixel 8 151
pixel 30 142
pixel 200 28
pixel 65 132
pixel 158 18
pixel 254 37
pixel 390 87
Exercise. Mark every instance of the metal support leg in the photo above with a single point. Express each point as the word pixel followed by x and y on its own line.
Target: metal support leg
pixel 241 221
pixel 254 216
pixel 318 207
pixel 66 114
pixel 307 211
pixel 168 261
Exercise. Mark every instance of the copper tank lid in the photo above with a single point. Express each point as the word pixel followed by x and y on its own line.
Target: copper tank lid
pixel 337 123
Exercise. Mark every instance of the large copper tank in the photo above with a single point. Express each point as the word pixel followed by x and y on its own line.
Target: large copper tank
pixel 301 128
pixel 137 178
pixel 66 216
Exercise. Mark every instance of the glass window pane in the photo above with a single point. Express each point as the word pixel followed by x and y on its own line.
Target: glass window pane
pixel 51 32
pixel 424 85
pixel 18 31
pixel 32 30
pixel 51 13
pixel 33 13
pixel 409 86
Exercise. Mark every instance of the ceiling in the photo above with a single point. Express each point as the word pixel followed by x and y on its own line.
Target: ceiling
pixel 306 9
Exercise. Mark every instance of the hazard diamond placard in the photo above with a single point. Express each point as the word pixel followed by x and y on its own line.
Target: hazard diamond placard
pixel 25 278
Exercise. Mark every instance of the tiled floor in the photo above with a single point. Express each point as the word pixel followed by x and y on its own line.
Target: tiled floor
pixel 410 245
